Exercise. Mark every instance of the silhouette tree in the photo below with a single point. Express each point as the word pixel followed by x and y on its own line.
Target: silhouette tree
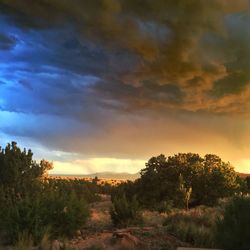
pixel 207 179
pixel 18 171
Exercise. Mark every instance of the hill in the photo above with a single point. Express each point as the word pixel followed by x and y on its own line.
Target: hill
pixel 243 175
pixel 103 175
pixel 115 176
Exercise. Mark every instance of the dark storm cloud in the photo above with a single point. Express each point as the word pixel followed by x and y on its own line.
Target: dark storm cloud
pixel 164 42
pixel 231 84
pixel 60 69
pixel 25 84
pixel 6 42
pixel 96 66
pixel 146 96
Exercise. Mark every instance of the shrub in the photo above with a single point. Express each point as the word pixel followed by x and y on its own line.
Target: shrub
pixel 82 188
pixel 64 213
pixel 164 206
pixel 60 214
pixel 233 229
pixel 124 212
pixel 23 217
pixel 195 227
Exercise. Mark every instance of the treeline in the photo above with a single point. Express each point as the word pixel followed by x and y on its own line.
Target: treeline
pixel 183 180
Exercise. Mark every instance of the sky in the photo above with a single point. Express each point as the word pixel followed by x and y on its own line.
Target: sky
pixel 103 85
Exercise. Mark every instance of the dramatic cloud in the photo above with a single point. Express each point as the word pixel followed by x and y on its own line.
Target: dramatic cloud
pixel 6 43
pixel 126 78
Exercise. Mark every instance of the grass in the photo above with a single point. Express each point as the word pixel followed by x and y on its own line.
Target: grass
pixel 194 227
pixel 153 218
pixel 24 242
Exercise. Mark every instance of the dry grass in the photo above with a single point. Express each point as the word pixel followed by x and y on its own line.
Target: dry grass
pixel 153 218
pixel 195 227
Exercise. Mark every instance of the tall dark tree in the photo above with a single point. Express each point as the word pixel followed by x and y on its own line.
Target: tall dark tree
pixel 18 171
pixel 209 178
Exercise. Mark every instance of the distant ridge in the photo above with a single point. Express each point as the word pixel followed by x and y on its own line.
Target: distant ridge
pixel 243 175
pixel 117 176
pixel 103 175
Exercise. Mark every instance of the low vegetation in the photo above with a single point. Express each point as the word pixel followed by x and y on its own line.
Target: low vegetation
pixel 233 229
pixel 195 227
pixel 182 200
pixel 33 206
pixel 124 212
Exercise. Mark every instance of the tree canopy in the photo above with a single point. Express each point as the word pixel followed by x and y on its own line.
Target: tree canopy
pixel 18 171
pixel 186 178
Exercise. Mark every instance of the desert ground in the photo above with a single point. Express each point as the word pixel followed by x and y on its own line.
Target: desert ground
pixel 100 234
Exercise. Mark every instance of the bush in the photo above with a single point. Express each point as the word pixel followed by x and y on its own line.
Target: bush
pixel 233 229
pixel 60 214
pixel 124 212
pixel 81 188
pixel 22 217
pixel 195 227
pixel 164 207
pixel 64 213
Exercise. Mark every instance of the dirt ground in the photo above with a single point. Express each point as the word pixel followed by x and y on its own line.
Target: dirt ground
pixel 99 234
